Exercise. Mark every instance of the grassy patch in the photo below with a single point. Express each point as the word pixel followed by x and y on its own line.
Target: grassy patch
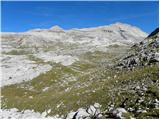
pixel 17 52
pixel 93 86
pixel 33 58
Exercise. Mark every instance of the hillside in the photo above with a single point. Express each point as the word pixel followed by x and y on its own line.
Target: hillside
pixel 133 89
pixel 53 72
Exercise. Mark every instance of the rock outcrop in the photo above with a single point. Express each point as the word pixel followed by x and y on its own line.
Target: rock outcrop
pixel 92 112
pixel 144 53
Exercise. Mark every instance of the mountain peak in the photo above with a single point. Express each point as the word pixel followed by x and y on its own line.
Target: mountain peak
pixel 120 24
pixel 56 27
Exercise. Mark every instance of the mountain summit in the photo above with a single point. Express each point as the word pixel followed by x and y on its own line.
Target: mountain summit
pixel 56 28
pixel 118 33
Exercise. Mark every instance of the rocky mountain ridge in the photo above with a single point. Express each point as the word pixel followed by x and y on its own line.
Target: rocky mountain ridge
pixel 117 33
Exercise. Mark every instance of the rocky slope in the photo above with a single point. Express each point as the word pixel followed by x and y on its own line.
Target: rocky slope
pixel 36 49
pixel 53 72
pixel 142 95
pixel 144 53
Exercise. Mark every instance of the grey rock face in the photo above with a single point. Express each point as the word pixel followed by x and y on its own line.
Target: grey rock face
pixel 117 113
pixel 142 54
pixel 93 111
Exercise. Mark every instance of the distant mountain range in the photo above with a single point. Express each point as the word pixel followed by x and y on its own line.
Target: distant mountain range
pixel 118 33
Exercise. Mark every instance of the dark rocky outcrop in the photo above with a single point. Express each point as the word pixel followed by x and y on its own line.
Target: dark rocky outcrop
pixel 142 54
pixel 153 33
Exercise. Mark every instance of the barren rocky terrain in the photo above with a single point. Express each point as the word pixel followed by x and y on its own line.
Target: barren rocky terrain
pixel 104 72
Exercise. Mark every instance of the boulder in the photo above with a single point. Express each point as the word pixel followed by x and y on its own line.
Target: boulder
pixel 117 113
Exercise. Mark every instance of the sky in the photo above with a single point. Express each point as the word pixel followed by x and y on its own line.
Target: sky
pixel 23 16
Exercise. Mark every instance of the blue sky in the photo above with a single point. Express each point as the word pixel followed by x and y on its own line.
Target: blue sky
pixel 22 16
